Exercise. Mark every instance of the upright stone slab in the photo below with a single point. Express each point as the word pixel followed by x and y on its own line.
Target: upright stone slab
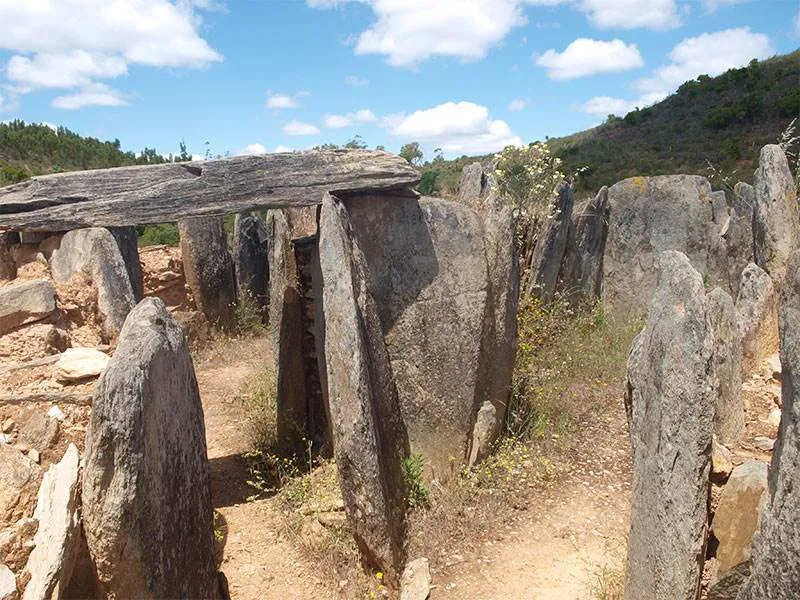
pixel 208 268
pixel 727 373
pixel 650 215
pixel 146 494
pixel 756 307
pixel 128 244
pixel 776 547
pixel 8 267
pixel 368 432
pixel 738 234
pixel 670 407
pixel 476 183
pixel 499 344
pixel 551 245
pixel 428 273
pixel 95 252
pixel 52 559
pixel 582 269
pixel 776 224
pixel 286 324
pixel 250 260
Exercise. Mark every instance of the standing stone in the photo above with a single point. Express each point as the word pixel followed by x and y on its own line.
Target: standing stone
pixel 286 325
pixel 476 183
pixel 670 406
pixel 499 344
pixel 550 246
pixel 208 268
pixel 650 215
pixel 95 252
pixel 776 546
pixel 128 244
pixel 737 516
pixel 727 374
pixel 250 260
pixel 8 267
pixel 51 562
pixel 24 303
pixel 582 269
pixel 427 270
pixel 776 224
pixel 756 308
pixel 738 234
pixel 146 492
pixel 368 433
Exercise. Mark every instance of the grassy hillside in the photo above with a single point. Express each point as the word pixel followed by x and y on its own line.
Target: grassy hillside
pixel 723 120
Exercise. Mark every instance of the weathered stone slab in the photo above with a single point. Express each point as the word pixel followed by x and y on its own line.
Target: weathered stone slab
pixel 551 244
pixel 286 325
pixel 650 215
pixel 8 267
pixel 128 244
pixel 737 516
pixel 26 302
pixel 95 252
pixel 727 370
pixel 368 433
pixel 670 407
pixel 776 546
pixel 738 234
pixel 582 269
pixel 171 192
pixel 17 474
pixel 208 268
pixel 477 180
pixel 427 271
pixel 51 562
pixel 146 492
pixel 776 224
pixel 756 307
pixel 250 260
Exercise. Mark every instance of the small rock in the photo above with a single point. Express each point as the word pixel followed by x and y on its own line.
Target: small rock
pixel 40 431
pixel 81 363
pixel 721 463
pixel 8 583
pixel 26 302
pixel 774 417
pixel 764 443
pixel 415 583
pixel 8 425
pixel 56 341
pixel 56 413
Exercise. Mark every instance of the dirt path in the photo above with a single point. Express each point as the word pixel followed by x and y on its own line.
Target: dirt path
pixel 258 559
pixel 571 545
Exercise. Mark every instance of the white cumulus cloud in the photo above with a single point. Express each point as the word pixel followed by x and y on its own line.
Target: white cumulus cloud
pixel 340 121
pixel 279 101
pixel 710 54
pixel 517 104
pixel 253 150
pixel 282 148
pixel 456 127
pixel 72 44
pixel 337 121
pixel 631 14
pixel 585 57
pixel 712 5
pixel 300 128
pixel 606 105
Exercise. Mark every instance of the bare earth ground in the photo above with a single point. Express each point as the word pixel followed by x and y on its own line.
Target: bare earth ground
pixel 558 549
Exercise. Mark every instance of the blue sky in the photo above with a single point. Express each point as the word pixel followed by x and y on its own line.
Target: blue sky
pixel 468 76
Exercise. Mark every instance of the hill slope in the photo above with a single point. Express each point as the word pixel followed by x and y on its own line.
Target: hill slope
pixel 723 120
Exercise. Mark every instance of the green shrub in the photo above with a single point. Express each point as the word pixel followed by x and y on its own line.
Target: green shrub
pixel 417 492
pixel 163 234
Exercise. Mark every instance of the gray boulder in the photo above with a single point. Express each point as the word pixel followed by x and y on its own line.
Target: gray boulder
pixel 737 516
pixel 670 406
pixel 208 268
pixel 776 546
pixel 727 374
pixel 368 433
pixel 128 244
pixel 738 234
pixel 650 215
pixel 146 493
pixel 776 224
pixel 51 562
pixel 24 303
pixel 756 308
pixel 582 269
pixel 477 180
pixel 250 260
pixel 286 325
pixel 551 243
pixel 8 266
pixel 95 252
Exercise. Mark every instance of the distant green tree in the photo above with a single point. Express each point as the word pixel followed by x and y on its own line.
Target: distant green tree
pixel 412 153
pixel 427 184
pixel 356 143
pixel 184 155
